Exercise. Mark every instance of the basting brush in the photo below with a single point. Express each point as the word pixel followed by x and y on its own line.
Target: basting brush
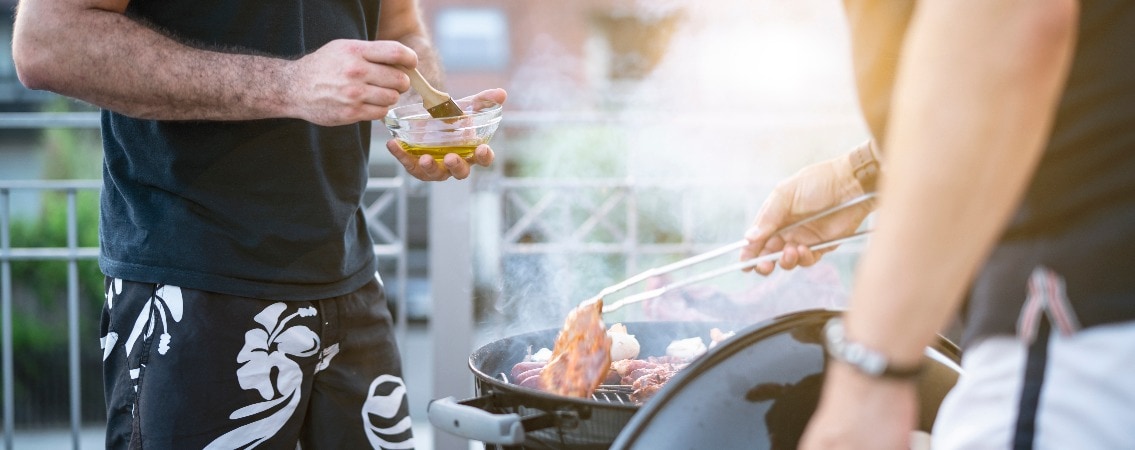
pixel 439 104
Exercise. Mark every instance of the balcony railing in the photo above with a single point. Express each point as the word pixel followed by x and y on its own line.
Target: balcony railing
pixel 385 208
pixel 72 254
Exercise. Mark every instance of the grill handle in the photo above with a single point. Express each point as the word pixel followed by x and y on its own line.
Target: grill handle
pixel 472 422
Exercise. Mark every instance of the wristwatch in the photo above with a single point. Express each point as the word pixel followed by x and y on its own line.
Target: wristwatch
pixel 862 358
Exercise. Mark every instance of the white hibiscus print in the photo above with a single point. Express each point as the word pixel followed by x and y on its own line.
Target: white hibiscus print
pixel 165 304
pixel 107 342
pixel 387 407
pixel 269 351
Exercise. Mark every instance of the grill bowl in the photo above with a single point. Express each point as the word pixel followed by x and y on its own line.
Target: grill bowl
pixel 765 378
pixel 553 421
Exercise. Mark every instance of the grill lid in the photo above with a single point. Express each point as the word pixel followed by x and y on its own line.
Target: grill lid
pixel 759 389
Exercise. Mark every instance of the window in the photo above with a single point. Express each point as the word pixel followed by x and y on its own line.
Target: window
pixel 472 39
pixel 7 67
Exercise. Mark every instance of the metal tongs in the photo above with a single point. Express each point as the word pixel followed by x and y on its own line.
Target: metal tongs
pixel 653 293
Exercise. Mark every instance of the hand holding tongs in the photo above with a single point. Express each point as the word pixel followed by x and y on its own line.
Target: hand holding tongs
pixel 723 270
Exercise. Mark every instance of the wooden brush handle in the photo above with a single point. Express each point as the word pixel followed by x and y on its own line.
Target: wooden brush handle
pixel 430 97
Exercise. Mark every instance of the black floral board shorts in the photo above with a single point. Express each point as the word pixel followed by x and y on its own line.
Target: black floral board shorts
pixel 192 369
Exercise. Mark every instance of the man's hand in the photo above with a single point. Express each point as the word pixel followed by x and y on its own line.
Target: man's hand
pixel 811 190
pixel 349 81
pixel 425 168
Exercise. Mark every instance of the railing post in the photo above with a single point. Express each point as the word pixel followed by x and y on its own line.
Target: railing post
pixel 6 318
pixel 402 266
pixel 451 287
pixel 73 316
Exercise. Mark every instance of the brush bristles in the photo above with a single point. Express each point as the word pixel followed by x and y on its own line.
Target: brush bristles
pixel 445 109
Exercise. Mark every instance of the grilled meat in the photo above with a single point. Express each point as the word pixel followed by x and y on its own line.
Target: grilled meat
pixel 581 357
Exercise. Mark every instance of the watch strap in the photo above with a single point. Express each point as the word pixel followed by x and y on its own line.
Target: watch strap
pixel 861 357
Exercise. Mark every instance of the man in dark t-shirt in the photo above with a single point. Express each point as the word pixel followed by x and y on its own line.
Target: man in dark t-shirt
pixel 1003 151
pixel 242 304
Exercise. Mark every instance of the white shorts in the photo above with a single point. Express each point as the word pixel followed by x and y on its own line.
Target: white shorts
pixel 1086 393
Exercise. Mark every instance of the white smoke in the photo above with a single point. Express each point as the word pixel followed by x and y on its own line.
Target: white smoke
pixel 747 93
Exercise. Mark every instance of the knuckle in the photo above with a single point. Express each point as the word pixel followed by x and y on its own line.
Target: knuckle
pixel 353 93
pixel 355 70
pixel 395 52
pixel 355 47
pixel 387 97
pixel 401 82
pixel 405 54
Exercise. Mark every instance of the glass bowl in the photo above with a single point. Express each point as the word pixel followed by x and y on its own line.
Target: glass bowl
pixel 419 134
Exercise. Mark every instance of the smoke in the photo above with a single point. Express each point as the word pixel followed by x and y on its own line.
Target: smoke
pixel 544 78
pixel 745 94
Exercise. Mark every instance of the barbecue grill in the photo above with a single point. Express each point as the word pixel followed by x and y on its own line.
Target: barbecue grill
pixel 515 417
pixel 756 389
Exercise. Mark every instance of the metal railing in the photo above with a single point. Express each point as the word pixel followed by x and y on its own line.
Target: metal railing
pixel 613 210
pixel 390 244
pixel 383 195
pixel 72 254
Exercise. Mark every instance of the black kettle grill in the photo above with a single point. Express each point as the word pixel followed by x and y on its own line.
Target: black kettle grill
pixel 757 390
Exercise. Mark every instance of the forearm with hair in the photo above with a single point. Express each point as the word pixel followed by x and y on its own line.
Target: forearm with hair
pixel 401 20
pixel 117 63
pixel 429 64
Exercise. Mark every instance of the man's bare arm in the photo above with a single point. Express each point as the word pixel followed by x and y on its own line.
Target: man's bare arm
pixel 89 50
pixel 402 21
pixel 974 101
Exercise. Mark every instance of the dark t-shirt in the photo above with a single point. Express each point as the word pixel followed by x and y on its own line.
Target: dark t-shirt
pixel 260 208
pixel 1078 215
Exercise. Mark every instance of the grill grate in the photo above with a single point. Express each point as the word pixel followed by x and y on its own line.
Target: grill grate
pixel 614 393
pixel 611 393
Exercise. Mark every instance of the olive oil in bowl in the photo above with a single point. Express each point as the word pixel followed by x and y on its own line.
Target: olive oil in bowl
pixel 438 152
pixel 420 134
